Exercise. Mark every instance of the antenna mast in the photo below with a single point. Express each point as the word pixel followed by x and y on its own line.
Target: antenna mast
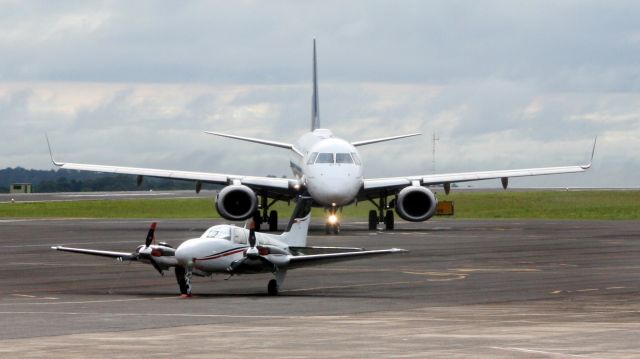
pixel 433 152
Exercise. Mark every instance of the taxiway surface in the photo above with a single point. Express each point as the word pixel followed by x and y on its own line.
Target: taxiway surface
pixel 566 289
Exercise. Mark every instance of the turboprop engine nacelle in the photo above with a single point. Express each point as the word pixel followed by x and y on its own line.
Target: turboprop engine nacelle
pixel 236 202
pixel 416 204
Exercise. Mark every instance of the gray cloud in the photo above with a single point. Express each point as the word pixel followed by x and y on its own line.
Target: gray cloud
pixel 504 84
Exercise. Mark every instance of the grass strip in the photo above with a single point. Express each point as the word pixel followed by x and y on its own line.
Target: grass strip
pixel 581 205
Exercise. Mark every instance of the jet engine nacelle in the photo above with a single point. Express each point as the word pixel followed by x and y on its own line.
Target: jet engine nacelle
pixel 236 202
pixel 416 204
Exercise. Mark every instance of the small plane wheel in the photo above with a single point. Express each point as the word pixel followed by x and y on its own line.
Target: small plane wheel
pixel 180 277
pixel 388 220
pixel 336 228
pixel 272 288
pixel 373 220
pixel 273 221
pixel 327 228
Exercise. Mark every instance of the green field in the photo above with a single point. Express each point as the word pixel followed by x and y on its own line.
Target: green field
pixel 585 205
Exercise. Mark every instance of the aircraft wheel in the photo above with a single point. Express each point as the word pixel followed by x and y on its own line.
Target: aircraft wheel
pixel 257 220
pixel 180 277
pixel 272 288
pixel 373 220
pixel 327 228
pixel 388 220
pixel 273 221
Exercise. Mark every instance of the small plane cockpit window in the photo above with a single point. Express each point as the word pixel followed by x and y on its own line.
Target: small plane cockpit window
pixel 312 158
pixel 325 158
pixel 343 158
pixel 218 232
pixel 356 159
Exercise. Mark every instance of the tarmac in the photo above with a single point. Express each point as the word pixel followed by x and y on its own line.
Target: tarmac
pixel 489 289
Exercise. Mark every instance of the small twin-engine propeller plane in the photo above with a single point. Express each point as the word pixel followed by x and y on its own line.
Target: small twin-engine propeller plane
pixel 233 250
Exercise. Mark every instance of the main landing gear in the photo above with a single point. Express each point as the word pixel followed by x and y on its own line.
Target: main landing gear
pixel 273 288
pixel 380 216
pixel 271 218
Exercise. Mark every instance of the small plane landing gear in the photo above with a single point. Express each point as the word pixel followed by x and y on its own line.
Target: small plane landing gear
pixel 379 215
pixel 272 288
pixel 183 276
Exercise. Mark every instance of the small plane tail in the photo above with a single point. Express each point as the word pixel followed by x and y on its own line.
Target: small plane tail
pixel 296 233
pixel 296 236
pixel 315 110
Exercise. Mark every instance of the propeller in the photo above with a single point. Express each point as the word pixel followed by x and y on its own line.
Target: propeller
pixel 253 253
pixel 150 255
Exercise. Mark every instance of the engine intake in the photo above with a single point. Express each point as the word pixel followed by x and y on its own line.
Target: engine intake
pixel 236 202
pixel 416 204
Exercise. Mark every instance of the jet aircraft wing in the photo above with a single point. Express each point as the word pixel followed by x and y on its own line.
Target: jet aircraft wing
pixel 255 182
pixel 376 184
pixel 317 259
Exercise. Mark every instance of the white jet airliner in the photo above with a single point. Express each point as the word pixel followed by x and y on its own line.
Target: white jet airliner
pixel 231 250
pixel 329 170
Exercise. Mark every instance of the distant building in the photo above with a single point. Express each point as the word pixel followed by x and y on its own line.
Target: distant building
pixel 20 188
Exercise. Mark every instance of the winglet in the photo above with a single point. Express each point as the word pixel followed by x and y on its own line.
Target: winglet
pixel 593 151
pixel 51 152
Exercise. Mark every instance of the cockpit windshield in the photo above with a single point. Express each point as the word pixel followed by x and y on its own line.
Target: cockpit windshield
pixel 343 158
pixel 334 158
pixel 218 232
pixel 325 158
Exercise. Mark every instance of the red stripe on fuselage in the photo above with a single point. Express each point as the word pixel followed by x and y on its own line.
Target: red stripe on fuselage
pixel 224 254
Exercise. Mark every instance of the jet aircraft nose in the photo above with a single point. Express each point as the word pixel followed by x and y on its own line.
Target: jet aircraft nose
pixel 334 190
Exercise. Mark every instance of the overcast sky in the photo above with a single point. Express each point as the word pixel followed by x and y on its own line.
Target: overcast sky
pixel 504 84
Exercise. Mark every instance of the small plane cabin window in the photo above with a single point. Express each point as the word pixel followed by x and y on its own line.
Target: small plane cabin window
pixel 312 158
pixel 356 159
pixel 325 158
pixel 221 232
pixel 343 158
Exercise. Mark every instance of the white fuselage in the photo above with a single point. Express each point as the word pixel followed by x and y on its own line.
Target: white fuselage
pixel 222 245
pixel 330 168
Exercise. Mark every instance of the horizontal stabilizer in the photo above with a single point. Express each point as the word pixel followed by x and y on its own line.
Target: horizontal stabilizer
pixel 383 139
pixel 256 140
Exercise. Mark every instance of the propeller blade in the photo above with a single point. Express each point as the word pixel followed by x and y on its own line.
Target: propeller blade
pixel 155 265
pixel 150 234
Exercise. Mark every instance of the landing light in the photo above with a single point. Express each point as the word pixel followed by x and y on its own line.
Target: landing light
pixel 333 219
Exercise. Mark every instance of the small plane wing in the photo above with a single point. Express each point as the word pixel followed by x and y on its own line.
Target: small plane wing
pixel 317 259
pixel 95 252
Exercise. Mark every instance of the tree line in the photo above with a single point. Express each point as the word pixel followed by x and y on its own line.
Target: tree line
pixel 76 181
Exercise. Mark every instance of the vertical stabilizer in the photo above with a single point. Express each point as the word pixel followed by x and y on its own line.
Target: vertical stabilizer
pixel 315 110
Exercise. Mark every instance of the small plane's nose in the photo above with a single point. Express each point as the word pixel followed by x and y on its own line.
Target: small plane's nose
pixel 185 252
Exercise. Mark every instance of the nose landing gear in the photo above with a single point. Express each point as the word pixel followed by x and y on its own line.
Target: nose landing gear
pixel 332 226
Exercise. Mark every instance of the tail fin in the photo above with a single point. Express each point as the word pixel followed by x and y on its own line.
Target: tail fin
pixel 297 234
pixel 315 110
